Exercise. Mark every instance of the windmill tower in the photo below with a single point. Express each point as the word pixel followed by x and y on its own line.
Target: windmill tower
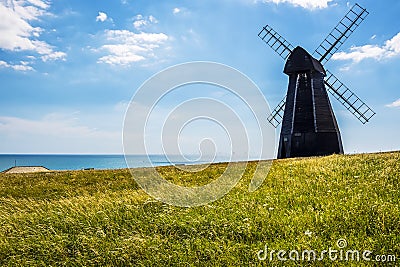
pixel 309 126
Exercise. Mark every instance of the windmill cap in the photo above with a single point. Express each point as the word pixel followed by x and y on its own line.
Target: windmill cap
pixel 301 61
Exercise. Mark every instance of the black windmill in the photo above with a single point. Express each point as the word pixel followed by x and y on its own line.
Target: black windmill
pixel 309 126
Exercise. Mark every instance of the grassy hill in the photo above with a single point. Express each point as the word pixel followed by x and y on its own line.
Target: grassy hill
pixel 104 218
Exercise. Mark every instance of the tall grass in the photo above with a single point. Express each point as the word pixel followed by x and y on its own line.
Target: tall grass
pixel 103 218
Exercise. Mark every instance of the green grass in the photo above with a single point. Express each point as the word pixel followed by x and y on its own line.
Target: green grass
pixel 103 218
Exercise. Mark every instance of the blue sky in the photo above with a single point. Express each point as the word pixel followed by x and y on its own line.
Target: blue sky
pixel 69 68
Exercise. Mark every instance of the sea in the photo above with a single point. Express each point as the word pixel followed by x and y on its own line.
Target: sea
pixel 80 162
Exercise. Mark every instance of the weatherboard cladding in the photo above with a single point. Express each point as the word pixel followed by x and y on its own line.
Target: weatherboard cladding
pixel 324 116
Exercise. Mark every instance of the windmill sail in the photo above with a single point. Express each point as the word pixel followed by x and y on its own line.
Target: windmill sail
pixel 283 48
pixel 340 33
pixel 276 42
pixel 350 100
pixel 276 116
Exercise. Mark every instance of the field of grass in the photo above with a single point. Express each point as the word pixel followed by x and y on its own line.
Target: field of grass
pixel 103 218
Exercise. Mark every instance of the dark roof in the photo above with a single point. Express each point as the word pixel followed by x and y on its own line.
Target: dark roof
pixel 300 60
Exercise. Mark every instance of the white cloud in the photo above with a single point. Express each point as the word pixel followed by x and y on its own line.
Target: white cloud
pixel 39 3
pixel 183 11
pixel 142 22
pixel 308 4
pixel 17 33
pixel 57 55
pixel 125 47
pixel 101 17
pixel 390 49
pixel 18 67
pixel 139 23
pixel 152 19
pixel 176 10
pixel 395 104
pixel 3 64
pixel 22 67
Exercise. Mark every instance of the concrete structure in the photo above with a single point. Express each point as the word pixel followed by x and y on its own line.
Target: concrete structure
pixel 26 169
